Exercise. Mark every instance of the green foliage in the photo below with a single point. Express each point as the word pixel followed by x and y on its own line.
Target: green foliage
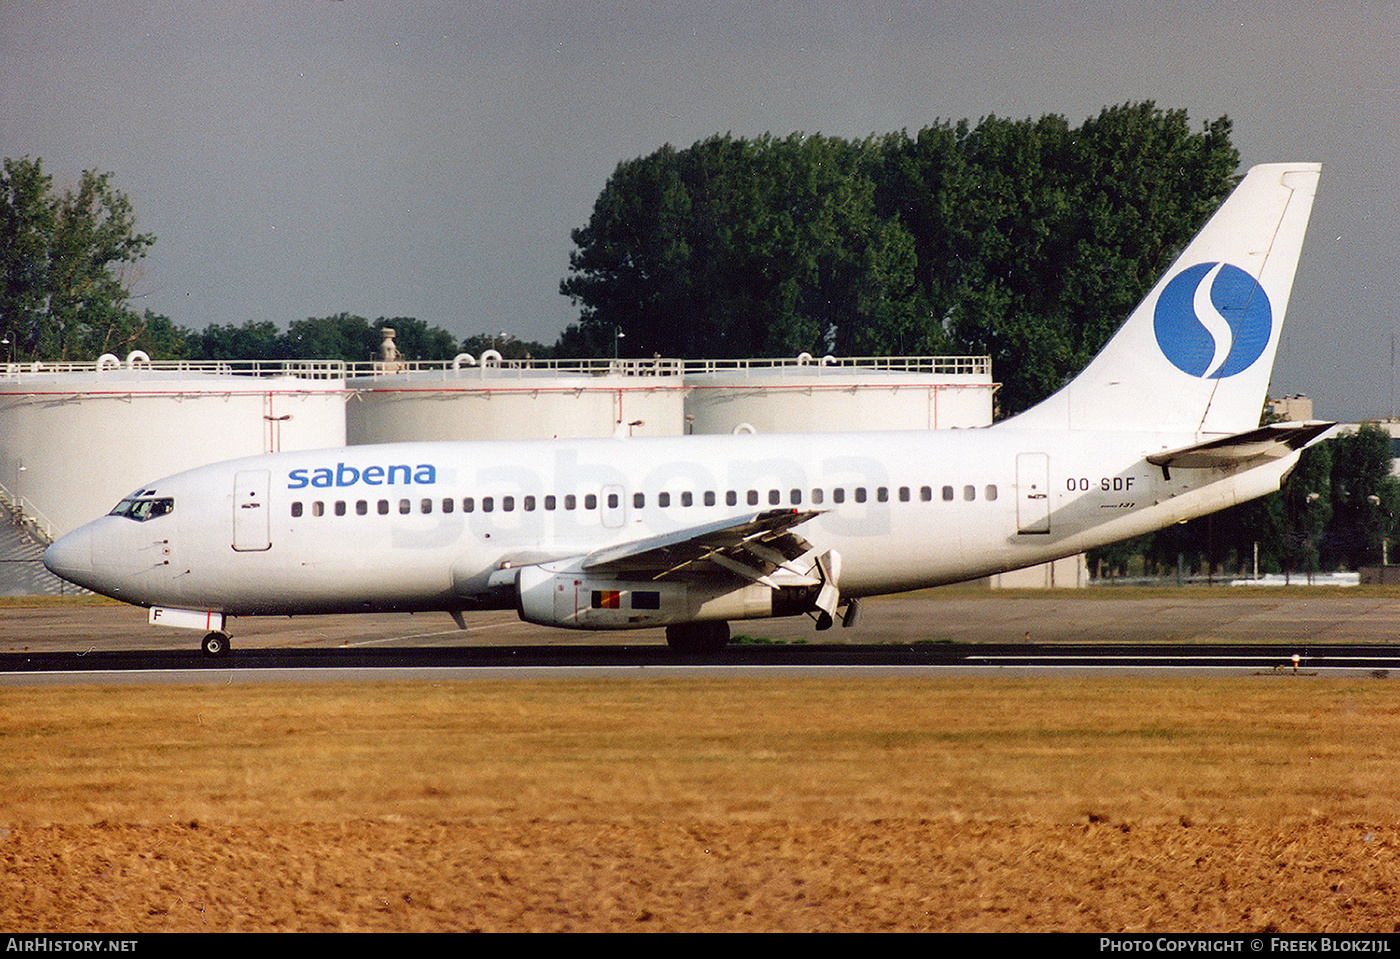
pixel 1365 498
pixel 343 336
pixel 1334 510
pixel 253 340
pixel 1026 240
pixel 62 264
pixel 508 346
pixel 152 334
pixel 742 248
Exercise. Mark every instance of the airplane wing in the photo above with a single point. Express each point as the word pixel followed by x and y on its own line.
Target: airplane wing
pixel 754 547
pixel 1267 442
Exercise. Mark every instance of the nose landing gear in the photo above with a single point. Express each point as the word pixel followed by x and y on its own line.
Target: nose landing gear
pixel 215 645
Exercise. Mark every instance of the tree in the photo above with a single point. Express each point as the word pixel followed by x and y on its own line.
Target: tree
pixel 1364 498
pixel 254 340
pixel 741 248
pixel 1036 240
pixel 152 334
pixel 344 336
pixel 339 337
pixel 509 347
pixel 415 339
pixel 63 261
pixel 1026 240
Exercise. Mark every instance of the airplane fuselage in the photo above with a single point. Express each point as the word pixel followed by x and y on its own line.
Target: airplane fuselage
pixel 690 532
pixel 430 526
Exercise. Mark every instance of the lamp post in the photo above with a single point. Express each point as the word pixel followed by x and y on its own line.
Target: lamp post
pixel 1312 559
pixel 1375 501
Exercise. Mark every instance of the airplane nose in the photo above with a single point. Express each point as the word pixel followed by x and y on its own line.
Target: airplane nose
pixel 71 556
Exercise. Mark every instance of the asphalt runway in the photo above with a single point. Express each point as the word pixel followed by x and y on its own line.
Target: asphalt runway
pixel 1317 615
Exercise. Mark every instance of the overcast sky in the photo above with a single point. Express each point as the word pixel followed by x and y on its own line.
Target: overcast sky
pixel 302 158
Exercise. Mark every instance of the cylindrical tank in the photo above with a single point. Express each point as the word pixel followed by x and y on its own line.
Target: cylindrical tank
pixel 488 400
pixel 808 396
pixel 72 443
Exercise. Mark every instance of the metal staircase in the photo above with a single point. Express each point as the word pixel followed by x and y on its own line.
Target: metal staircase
pixel 24 534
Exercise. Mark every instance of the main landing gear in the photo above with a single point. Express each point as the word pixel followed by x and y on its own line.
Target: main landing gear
pixel 704 637
pixel 215 645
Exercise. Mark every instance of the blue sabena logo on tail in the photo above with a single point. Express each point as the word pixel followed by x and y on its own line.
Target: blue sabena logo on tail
pixel 1213 320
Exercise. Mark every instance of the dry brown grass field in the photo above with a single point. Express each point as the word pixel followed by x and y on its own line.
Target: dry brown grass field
pixel 1252 803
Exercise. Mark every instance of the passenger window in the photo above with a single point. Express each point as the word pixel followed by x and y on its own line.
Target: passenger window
pixel 318 508
pixel 774 497
pixel 529 504
pixel 926 493
pixel 405 507
pixel 296 509
pixel 709 497
pixel 838 495
pixel 639 500
pixel 904 494
pixel 687 499
pixel 731 498
pixel 384 507
pixel 969 493
pixel 663 500
pixel 340 507
pixel 508 503
pixel 487 504
pixel 947 494
pixel 448 505
pixel 612 501
pixel 860 494
pixel 590 501
pixel 549 503
pixel 468 504
pixel 882 495
pixel 796 497
pixel 991 492
pixel 361 508
pixel 571 501
pixel 816 497
pixel 753 497
pixel 426 506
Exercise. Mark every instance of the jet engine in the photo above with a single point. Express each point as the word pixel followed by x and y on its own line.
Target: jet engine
pixel 576 600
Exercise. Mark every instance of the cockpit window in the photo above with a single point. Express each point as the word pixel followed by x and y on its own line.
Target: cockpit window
pixel 142 509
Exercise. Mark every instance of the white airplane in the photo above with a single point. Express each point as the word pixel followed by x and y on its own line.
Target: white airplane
pixel 692 532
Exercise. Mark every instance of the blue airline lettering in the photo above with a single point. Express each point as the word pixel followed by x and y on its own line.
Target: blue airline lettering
pixel 400 474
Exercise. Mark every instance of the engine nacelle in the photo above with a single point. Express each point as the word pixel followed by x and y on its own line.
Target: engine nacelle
pixel 578 601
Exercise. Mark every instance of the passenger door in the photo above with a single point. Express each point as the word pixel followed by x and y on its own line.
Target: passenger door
pixel 251 522
pixel 1033 493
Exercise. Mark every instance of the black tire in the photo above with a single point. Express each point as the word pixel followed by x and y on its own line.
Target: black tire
pixel 707 637
pixel 215 645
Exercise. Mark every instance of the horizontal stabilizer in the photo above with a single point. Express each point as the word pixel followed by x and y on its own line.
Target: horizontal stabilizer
pixel 1265 443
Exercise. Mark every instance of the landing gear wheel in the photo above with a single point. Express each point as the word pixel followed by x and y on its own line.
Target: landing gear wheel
pixel 215 645
pixel 697 637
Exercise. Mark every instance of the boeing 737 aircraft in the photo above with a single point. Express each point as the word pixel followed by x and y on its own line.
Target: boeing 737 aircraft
pixel 692 532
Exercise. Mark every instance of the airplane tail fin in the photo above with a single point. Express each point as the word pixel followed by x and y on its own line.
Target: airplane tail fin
pixel 1196 355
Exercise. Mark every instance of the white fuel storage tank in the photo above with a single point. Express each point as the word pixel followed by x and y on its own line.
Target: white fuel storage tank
pixel 483 399
pixel 75 439
pixel 807 395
